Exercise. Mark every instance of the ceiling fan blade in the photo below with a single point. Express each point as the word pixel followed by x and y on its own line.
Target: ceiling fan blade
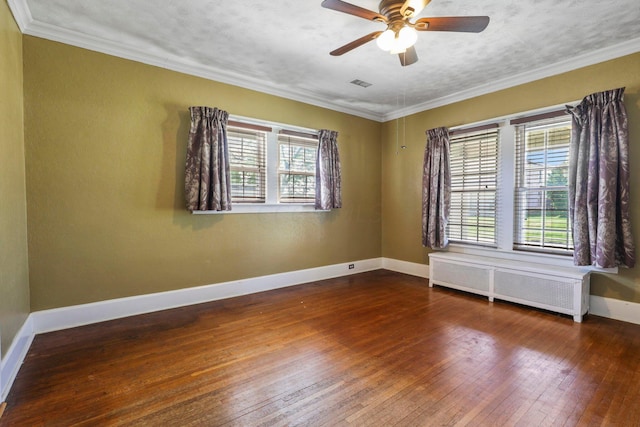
pixel 408 57
pixel 352 9
pixel 465 24
pixel 354 44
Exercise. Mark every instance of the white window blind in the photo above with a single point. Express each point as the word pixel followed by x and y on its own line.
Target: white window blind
pixel 296 167
pixel 541 212
pixel 247 162
pixel 474 176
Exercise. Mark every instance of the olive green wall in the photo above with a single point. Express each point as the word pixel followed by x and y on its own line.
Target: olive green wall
pixel 14 279
pixel 402 172
pixel 105 142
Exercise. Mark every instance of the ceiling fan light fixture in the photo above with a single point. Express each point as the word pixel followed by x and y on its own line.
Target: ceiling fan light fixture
pixel 393 42
pixel 407 37
pixel 386 40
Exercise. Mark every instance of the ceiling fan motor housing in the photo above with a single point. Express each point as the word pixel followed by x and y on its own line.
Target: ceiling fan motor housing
pixel 404 9
pixel 392 9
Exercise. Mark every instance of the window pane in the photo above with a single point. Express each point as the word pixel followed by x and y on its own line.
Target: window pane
pixel 247 164
pixel 541 194
pixel 474 173
pixel 246 186
pixel 297 158
pixel 297 188
pixel 296 169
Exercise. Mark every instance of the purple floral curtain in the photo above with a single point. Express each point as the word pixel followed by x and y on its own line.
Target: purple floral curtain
pixel 207 176
pixel 436 189
pixel 599 182
pixel 328 179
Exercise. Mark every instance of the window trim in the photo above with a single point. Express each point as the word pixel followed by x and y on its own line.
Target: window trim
pixel 249 208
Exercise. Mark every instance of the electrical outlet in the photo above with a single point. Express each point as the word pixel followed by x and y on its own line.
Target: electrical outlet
pixel 352 266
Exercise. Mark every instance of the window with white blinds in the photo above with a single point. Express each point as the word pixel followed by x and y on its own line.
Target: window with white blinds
pixel 296 167
pixel 247 162
pixel 474 177
pixel 541 199
pixel 271 164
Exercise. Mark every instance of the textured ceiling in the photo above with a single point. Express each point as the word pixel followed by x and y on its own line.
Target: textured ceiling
pixel 282 46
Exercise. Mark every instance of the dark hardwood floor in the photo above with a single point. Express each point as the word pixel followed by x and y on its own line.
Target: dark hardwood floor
pixel 377 348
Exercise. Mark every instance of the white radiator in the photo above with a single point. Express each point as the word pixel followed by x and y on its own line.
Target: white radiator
pixel 560 289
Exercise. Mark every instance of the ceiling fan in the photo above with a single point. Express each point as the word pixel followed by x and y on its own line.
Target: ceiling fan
pixel 401 33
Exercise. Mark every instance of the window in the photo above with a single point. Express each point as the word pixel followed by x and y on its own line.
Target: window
pixel 541 206
pixel 509 187
pixel 474 178
pixel 296 167
pixel 271 164
pixel 247 163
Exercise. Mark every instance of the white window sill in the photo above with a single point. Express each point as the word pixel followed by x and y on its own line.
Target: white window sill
pixel 531 257
pixel 243 208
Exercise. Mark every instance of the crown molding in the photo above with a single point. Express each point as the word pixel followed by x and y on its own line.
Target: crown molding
pixel 616 51
pixel 21 13
pixel 174 63
pixel 27 25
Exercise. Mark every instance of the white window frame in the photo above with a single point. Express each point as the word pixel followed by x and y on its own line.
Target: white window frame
pixel 242 139
pixel 505 200
pixel 302 141
pixel 271 204
pixel 464 181
pixel 520 243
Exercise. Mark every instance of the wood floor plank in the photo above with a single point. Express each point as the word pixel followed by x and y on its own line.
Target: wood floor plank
pixel 372 349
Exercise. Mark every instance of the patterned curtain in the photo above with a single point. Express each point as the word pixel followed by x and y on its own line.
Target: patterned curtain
pixel 328 180
pixel 207 177
pixel 436 189
pixel 599 182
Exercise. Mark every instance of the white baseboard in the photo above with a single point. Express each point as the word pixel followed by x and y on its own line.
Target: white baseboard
pixel 11 363
pixel 406 267
pixel 85 314
pixel 615 309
